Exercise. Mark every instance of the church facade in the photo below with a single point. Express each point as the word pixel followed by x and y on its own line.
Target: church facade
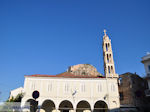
pixel 80 88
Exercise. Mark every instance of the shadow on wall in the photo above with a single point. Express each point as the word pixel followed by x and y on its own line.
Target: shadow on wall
pixel 126 109
pixel 83 106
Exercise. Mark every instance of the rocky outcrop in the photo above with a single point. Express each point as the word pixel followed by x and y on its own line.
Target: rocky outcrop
pixel 84 70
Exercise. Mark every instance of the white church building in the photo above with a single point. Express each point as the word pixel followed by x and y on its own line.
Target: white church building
pixel 80 88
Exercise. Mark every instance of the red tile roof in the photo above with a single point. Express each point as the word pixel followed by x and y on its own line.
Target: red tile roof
pixel 65 75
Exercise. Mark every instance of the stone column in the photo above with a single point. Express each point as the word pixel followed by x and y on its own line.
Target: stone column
pixel 72 110
pixel 41 110
pixel 55 110
pixel 86 110
pixel 58 110
pixel 25 110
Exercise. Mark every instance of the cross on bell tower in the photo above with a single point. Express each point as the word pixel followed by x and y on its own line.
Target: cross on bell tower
pixel 109 67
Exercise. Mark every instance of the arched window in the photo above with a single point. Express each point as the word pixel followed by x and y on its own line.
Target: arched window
pixel 107 58
pixel 109 69
pixel 110 58
pixel 112 71
pixel 106 47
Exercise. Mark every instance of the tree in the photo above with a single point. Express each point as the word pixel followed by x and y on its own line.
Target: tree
pixel 17 98
pixel 9 103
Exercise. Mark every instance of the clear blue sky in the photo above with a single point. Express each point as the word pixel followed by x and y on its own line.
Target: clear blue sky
pixel 45 37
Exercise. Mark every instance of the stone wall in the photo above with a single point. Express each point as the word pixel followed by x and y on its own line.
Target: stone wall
pixel 132 91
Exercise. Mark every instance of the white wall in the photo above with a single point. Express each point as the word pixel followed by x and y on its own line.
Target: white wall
pixel 146 64
pixel 15 92
pixel 87 89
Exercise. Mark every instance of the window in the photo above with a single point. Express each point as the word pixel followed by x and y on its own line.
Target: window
pixel 106 47
pixel 112 70
pixel 110 57
pixel 109 69
pixel 149 68
pixel 49 87
pixel 121 95
pixel 99 88
pixel 120 80
pixel 32 86
pixel 112 87
pixel 82 87
pixel 66 88
pixel 107 59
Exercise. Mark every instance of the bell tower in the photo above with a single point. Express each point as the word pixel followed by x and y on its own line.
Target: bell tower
pixel 109 67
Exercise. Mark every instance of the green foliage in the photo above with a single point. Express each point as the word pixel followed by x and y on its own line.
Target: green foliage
pixel 8 106
pixel 17 98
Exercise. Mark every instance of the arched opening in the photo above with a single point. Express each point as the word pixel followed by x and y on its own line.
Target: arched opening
pixel 65 106
pixel 109 69
pixel 83 106
pixel 33 105
pixel 110 58
pixel 100 106
pixel 107 59
pixel 106 47
pixel 112 71
pixel 48 106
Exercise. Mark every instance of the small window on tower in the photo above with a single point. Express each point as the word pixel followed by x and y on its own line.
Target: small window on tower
pixel 107 59
pixel 112 70
pixel 106 47
pixel 109 69
pixel 110 57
